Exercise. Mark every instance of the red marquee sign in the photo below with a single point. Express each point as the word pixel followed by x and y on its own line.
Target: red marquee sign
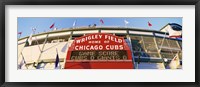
pixel 99 51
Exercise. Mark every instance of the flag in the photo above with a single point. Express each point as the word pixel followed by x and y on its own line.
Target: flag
pixel 55 29
pixel 94 25
pixel 74 24
pixel 52 26
pixel 30 39
pixel 64 48
pixel 22 63
pixel 149 24
pixel 175 62
pixel 57 61
pixel 126 22
pixel 19 33
pixel 102 22
pixel 34 29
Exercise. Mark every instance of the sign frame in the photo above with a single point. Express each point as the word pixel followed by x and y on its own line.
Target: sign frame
pixel 100 42
pixel 98 2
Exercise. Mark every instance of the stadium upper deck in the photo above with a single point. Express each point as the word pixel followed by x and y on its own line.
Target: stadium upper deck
pixel 150 48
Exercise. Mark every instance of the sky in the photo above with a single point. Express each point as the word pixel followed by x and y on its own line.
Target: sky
pixel 42 24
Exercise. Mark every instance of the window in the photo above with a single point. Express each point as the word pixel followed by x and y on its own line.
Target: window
pixel 176 27
pixel 169 48
pixel 144 46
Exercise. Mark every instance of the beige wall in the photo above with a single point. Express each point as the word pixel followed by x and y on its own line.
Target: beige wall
pixel 32 53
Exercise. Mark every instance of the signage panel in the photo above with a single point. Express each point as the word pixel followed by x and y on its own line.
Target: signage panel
pixel 99 47
pixel 99 55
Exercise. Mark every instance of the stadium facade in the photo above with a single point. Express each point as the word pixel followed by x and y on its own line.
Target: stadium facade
pixel 132 49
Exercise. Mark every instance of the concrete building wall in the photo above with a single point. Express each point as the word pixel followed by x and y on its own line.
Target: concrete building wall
pixel 32 53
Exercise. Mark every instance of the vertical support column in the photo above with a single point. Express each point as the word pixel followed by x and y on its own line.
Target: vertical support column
pixel 23 47
pixel 68 45
pixel 99 30
pixel 20 52
pixel 178 51
pixel 37 62
pixel 70 38
pixel 130 43
pixel 143 44
pixel 37 43
pixel 159 51
pixel 170 47
pixel 178 45
pixel 24 61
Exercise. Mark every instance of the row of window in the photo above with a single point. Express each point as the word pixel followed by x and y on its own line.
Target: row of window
pixel 147 46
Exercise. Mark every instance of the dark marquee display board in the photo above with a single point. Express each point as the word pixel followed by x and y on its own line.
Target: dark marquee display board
pixel 98 2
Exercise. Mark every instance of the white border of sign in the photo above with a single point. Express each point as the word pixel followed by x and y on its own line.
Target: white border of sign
pixel 187 74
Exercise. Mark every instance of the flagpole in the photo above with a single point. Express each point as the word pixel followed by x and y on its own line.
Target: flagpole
pixel 149 27
pixel 37 43
pixel 149 24
pixel 19 36
pixel 56 50
pixel 100 23
pixel 34 29
pixel 125 25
